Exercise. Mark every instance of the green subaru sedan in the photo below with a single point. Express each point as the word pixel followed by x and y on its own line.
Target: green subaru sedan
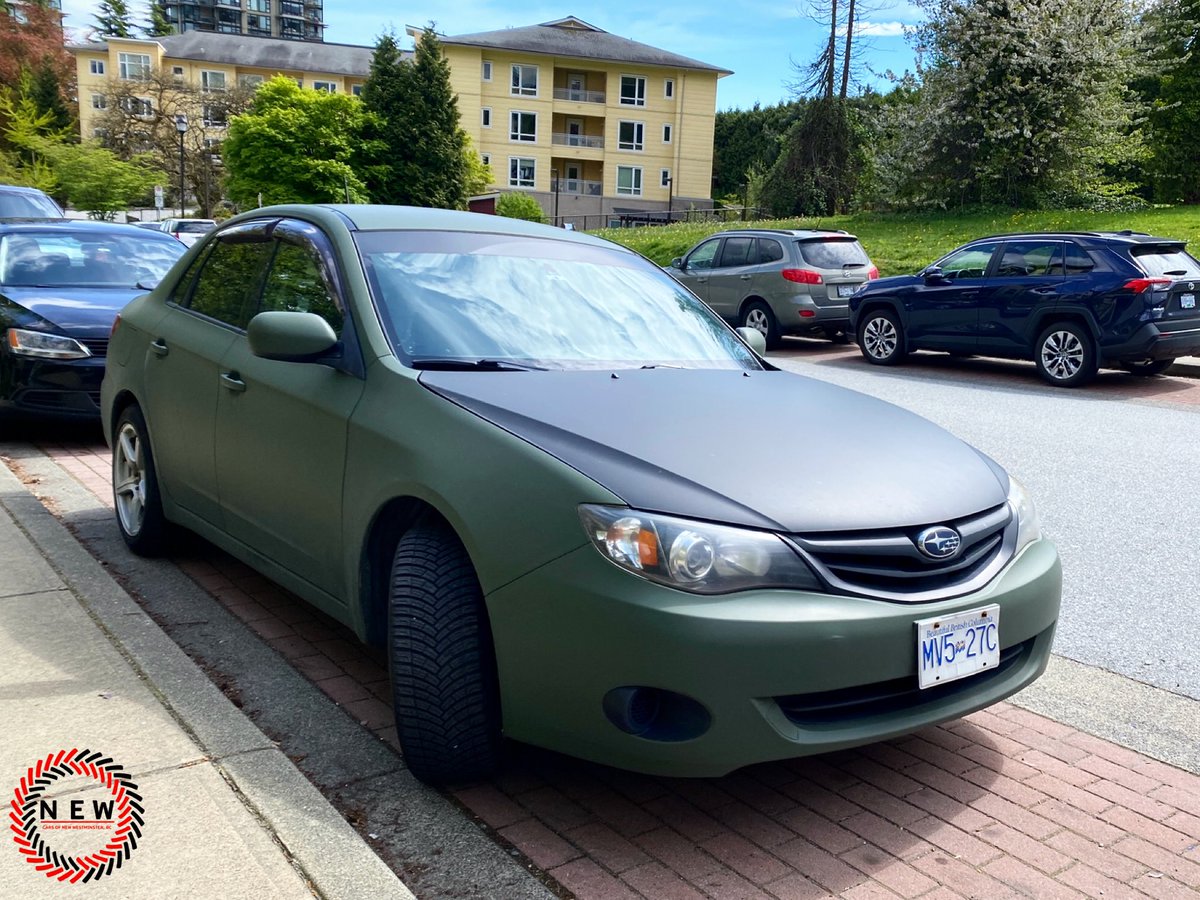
pixel 567 498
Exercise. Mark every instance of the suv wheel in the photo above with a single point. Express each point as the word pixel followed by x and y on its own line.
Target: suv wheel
pixel 1066 355
pixel 442 662
pixel 1148 367
pixel 881 338
pixel 758 315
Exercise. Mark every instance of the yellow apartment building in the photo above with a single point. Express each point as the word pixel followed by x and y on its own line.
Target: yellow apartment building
pixel 589 123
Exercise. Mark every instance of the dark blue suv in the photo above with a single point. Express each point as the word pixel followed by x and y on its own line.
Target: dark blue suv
pixel 1071 302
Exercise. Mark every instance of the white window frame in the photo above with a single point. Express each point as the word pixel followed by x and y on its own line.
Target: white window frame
pixel 356 90
pixel 668 132
pixel 126 62
pixel 208 119
pixel 329 87
pixel 516 181
pixel 99 101
pixel 668 88
pixel 485 117
pixel 204 81
pixel 520 90
pixel 486 70
pixel 636 182
pixel 142 107
pixel 514 132
pixel 96 66
pixel 664 178
pixel 177 72
pixel 100 133
pixel 639 97
pixel 638 143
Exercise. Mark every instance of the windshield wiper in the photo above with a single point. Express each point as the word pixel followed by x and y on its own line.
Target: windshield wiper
pixel 1176 272
pixel 452 364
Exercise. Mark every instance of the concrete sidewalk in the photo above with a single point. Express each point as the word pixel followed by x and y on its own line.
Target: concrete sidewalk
pixel 1186 366
pixel 224 812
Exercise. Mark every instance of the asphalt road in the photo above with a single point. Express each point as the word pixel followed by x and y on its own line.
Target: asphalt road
pixel 1114 470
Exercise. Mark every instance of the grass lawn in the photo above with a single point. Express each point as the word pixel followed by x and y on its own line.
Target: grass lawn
pixel 902 243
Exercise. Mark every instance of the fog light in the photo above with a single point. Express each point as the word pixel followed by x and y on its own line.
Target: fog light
pixel 655 714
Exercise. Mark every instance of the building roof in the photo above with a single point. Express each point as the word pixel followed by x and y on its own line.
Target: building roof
pixel 248 51
pixel 574 37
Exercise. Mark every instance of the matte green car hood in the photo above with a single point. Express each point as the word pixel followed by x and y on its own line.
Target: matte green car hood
pixel 762 449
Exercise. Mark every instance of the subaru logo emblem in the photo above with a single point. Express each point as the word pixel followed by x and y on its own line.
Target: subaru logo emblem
pixel 1191 286
pixel 939 542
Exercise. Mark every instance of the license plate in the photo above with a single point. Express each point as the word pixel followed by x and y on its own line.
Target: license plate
pixel 956 646
pixel 845 290
pixel 1187 301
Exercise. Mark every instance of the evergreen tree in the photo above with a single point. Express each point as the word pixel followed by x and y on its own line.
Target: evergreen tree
pixel 1172 93
pixel 158 25
pixel 47 94
pixel 113 19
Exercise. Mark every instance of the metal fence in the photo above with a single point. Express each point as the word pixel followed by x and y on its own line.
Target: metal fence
pixel 653 217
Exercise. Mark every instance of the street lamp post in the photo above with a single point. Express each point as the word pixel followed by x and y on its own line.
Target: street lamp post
pixel 181 125
pixel 670 196
pixel 554 178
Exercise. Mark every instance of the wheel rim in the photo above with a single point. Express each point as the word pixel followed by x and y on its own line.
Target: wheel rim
pixel 880 338
pixel 129 479
pixel 1062 355
pixel 757 319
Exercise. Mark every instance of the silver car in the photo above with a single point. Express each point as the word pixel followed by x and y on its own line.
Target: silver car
pixel 778 282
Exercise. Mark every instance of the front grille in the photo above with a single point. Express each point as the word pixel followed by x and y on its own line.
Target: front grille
pixel 897 695
pixel 97 346
pixel 887 564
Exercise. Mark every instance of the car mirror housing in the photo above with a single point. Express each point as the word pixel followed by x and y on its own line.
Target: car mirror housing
pixel 932 273
pixel 754 338
pixel 290 336
pixel 677 263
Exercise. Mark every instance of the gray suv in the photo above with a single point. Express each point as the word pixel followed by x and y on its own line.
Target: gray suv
pixel 778 282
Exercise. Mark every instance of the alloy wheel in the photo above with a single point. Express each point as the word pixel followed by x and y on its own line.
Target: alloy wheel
pixel 129 479
pixel 880 338
pixel 756 318
pixel 1062 355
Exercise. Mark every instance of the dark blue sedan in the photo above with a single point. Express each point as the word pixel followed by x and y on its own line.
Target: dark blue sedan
pixel 62 284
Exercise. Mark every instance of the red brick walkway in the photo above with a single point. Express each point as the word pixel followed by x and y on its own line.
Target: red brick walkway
pixel 1004 803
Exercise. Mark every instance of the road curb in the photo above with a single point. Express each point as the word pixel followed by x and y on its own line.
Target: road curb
pixel 319 840
pixel 1186 368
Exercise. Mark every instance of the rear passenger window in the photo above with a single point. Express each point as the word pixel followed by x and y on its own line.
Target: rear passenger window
pixel 1078 260
pixel 769 251
pixel 1030 258
pixel 739 252
pixel 227 289
pixel 297 285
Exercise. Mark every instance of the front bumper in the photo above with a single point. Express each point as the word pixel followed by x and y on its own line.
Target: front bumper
pixel 61 388
pixel 575 629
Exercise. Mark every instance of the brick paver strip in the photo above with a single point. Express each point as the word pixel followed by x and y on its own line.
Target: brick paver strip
pixel 1001 803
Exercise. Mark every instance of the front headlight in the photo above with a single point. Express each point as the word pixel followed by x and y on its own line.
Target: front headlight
pixel 45 346
pixel 1028 527
pixel 695 556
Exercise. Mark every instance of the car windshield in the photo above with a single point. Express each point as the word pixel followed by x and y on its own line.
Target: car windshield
pixel 492 300
pixel 85 259
pixel 14 205
pixel 833 253
pixel 194 227
pixel 1158 261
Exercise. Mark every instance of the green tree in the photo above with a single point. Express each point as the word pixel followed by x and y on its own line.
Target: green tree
pixel 47 93
pixel 822 161
pixel 94 179
pixel 25 133
pixel 1172 93
pixel 516 205
pixel 417 124
pixel 158 24
pixel 296 145
pixel 113 19
pixel 479 176
pixel 749 138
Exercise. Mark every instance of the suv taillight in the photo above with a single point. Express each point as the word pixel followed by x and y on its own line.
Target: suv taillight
pixel 802 276
pixel 1142 285
pixel 872 273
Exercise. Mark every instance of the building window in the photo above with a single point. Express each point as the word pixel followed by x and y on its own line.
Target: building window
pixel 485 117
pixel 134 65
pixel 215 117
pixel 525 80
pixel 177 73
pixel 487 70
pixel 262 6
pixel 327 86
pixel 250 81
pixel 669 88
pixel 522 126
pixel 629 136
pixel 486 158
pixel 521 172
pixel 99 101
pixel 258 25
pixel 633 90
pixel 96 66
pixel 138 106
pixel 100 133
pixel 629 180
pixel 666 134
pixel 356 90
pixel 666 178
pixel 212 81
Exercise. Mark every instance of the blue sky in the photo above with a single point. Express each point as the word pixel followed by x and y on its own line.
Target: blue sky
pixel 757 39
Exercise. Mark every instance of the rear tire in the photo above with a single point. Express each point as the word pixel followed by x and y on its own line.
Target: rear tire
pixel 881 338
pixel 1148 368
pixel 443 665
pixel 758 315
pixel 1065 355
pixel 136 498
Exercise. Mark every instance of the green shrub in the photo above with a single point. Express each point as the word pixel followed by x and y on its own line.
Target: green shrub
pixel 517 205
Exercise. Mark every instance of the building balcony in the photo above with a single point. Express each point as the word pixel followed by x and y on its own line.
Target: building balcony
pixel 576 96
pixel 577 186
pixel 593 142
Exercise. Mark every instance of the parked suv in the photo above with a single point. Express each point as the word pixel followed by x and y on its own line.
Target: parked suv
pixel 1071 302
pixel 778 282
pixel 27 203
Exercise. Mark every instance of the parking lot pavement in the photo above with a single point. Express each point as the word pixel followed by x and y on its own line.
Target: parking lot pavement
pixel 1004 803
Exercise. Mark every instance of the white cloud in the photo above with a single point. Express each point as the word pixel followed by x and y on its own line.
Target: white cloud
pixel 880 29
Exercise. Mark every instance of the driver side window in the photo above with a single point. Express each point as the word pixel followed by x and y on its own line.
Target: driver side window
pixel 969 263
pixel 702 257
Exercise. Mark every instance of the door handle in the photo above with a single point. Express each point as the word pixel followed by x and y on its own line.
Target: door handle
pixel 159 347
pixel 1046 290
pixel 230 381
pixel 701 281
pixel 745 277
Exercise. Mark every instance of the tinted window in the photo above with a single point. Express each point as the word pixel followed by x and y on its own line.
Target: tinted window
pixel 769 251
pixel 1030 258
pixel 1171 261
pixel 20 205
pixel 227 289
pixel 833 253
pixel 1079 262
pixel 739 251
pixel 702 256
pixel 85 258
pixel 183 287
pixel 296 284
pixel 969 263
pixel 194 227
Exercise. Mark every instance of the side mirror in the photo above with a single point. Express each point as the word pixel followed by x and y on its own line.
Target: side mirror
pixel 677 263
pixel 147 284
pixel 932 274
pixel 754 338
pixel 290 336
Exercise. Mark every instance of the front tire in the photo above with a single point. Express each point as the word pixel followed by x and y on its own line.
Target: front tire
pixel 1149 367
pixel 758 315
pixel 136 497
pixel 881 338
pixel 1065 355
pixel 443 665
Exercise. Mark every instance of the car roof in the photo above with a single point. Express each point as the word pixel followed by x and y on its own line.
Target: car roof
pixel 44 226
pixel 801 233
pixel 205 221
pixel 21 189
pixel 1090 238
